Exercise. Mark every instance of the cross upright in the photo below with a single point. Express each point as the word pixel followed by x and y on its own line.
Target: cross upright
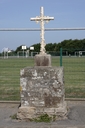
pixel 42 20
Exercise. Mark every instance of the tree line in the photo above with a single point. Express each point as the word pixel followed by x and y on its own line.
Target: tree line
pixel 69 46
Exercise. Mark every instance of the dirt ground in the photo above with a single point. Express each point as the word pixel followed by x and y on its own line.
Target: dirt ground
pixel 76 117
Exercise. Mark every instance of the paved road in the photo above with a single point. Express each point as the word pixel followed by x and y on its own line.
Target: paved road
pixel 76 117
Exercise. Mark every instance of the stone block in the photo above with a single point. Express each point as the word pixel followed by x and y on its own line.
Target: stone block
pixel 26 113
pixel 43 60
pixel 42 91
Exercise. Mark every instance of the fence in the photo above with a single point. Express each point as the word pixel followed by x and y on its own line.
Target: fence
pixel 73 61
pixel 74 75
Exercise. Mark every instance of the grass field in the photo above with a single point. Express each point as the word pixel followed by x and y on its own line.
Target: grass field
pixel 74 76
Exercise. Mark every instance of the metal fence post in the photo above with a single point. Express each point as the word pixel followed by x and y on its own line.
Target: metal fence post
pixel 60 56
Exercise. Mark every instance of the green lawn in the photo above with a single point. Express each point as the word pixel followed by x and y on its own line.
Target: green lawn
pixel 10 77
pixel 74 76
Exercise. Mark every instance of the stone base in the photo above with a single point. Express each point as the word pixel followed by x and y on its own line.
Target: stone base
pixel 33 112
pixel 42 92
pixel 43 60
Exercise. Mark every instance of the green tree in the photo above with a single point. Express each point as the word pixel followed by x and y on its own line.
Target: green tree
pixel 36 47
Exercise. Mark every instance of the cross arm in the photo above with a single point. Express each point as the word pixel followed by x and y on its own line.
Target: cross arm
pixel 44 18
pixel 48 18
pixel 35 19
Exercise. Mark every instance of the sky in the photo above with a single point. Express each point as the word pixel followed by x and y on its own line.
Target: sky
pixel 17 14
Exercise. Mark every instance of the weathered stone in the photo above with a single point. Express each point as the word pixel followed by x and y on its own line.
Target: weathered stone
pixel 42 91
pixel 26 112
pixel 43 60
pixel 34 112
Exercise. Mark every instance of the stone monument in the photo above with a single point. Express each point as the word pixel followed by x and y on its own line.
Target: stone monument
pixel 42 86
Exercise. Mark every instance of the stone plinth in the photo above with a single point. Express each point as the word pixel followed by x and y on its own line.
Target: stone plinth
pixel 42 91
pixel 43 60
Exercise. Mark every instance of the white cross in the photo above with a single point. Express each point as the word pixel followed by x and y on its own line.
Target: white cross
pixel 42 18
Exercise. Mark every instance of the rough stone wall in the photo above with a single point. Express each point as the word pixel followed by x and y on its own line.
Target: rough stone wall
pixel 42 86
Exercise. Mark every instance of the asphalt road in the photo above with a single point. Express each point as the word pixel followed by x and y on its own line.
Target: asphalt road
pixel 75 118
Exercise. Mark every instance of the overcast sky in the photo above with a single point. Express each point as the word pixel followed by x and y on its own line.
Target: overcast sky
pixel 17 14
